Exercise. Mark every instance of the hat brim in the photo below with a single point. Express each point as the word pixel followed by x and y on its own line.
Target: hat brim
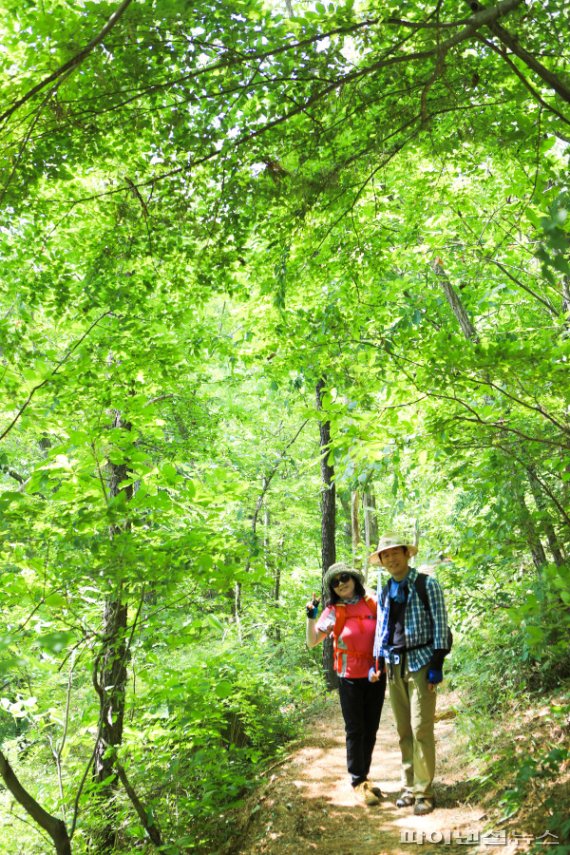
pixel 330 576
pixel 375 557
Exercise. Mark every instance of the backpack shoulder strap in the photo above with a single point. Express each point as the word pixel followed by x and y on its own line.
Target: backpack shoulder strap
pixel 421 590
pixel 340 619
pixel 371 603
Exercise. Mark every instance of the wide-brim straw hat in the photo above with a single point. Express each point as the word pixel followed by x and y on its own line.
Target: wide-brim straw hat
pixel 390 541
pixel 341 567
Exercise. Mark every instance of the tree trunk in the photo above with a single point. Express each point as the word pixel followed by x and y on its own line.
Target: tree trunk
pixel 54 827
pixel 328 526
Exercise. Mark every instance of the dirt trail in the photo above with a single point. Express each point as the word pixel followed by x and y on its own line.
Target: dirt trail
pixel 308 805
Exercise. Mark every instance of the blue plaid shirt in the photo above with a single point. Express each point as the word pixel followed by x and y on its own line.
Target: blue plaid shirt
pixel 420 627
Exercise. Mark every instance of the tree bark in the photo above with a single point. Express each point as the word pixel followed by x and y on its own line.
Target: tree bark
pixel 54 827
pixel 328 525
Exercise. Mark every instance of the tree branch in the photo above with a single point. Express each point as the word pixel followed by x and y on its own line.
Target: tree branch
pixel 535 94
pixel 454 301
pixel 524 287
pixel 50 376
pixel 512 43
pixel 70 64
pixel 478 20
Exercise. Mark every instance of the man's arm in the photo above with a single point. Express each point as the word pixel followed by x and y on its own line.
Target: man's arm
pixel 438 612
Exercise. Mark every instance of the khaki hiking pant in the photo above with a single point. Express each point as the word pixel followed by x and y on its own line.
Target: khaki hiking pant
pixel 413 706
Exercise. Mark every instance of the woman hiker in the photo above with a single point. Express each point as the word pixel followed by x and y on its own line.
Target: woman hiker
pixel 350 615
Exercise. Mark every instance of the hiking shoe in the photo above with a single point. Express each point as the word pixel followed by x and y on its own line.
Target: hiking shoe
pixel 365 794
pixel 423 806
pixel 376 789
pixel 405 800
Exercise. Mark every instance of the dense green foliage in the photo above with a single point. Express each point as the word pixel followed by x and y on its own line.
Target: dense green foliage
pixel 207 210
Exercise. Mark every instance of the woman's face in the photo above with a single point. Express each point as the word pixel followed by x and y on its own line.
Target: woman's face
pixel 343 585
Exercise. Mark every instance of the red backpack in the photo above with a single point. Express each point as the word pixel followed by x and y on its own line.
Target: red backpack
pixel 340 615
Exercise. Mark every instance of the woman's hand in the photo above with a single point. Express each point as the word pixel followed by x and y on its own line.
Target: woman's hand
pixel 312 607
pixel 376 671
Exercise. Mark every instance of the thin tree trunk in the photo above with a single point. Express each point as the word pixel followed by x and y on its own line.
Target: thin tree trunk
pixel 532 537
pixel 546 522
pixel 272 566
pixel 147 820
pixel 355 528
pixel 266 481
pixel 237 607
pixel 370 521
pixel 346 515
pixel 566 295
pixel 370 527
pixel 328 525
pixel 110 674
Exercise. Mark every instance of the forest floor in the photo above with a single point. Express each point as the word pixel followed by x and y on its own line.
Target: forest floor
pixel 307 805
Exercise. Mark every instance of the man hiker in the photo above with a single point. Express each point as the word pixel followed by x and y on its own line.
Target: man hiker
pixel 413 637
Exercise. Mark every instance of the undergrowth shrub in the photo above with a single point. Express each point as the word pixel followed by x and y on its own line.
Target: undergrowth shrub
pixel 210 729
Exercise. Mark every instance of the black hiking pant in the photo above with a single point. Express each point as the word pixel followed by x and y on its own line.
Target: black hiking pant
pixel 361 704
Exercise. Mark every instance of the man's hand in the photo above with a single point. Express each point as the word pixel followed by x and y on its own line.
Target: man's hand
pixel 434 676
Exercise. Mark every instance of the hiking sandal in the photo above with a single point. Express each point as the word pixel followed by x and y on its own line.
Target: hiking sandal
pixel 405 800
pixel 423 806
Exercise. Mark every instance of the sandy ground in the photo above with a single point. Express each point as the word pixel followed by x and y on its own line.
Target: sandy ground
pixel 307 804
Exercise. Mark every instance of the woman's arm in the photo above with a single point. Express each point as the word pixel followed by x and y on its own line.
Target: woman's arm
pixel 314 636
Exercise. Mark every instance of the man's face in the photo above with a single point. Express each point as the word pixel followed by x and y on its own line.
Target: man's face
pixel 395 560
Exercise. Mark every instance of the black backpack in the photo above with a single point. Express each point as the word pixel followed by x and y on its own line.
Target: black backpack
pixel 421 590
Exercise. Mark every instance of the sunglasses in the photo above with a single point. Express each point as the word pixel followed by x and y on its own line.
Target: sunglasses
pixel 341 578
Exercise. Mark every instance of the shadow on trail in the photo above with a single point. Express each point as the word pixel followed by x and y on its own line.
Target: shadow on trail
pixel 309 805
